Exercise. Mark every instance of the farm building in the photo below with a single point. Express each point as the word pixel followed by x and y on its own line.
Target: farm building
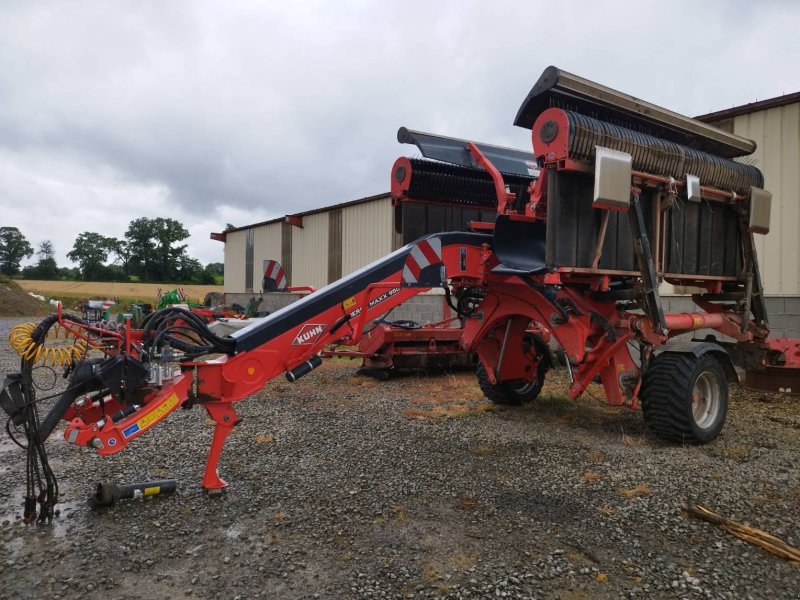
pixel 314 247
pixel 319 246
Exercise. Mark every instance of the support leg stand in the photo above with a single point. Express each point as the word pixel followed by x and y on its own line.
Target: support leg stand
pixel 225 418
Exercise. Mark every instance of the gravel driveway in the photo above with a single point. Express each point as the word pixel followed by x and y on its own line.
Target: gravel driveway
pixel 345 487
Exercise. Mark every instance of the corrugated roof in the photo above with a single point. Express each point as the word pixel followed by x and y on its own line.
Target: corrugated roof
pixel 221 236
pixel 752 107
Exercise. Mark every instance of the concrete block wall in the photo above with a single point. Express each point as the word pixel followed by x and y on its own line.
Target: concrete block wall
pixel 422 308
pixel 270 302
pixel 784 316
pixel 783 312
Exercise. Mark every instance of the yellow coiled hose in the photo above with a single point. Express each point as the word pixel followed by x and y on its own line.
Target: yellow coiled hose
pixel 21 341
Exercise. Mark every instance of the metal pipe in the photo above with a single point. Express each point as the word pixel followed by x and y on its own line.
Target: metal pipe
pixel 503 350
pixel 601 237
pixel 563 355
pixel 709 193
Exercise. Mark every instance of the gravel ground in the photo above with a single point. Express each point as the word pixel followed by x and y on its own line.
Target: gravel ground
pixel 344 487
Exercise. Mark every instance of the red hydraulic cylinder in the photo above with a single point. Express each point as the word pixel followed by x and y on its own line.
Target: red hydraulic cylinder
pixel 725 323
pixel 691 321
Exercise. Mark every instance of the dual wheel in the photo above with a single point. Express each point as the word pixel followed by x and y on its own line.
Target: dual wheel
pixel 684 397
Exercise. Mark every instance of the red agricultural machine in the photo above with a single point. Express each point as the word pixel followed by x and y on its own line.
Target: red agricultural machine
pixel 395 346
pixel 567 248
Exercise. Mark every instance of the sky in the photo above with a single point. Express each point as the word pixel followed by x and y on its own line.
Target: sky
pixel 241 111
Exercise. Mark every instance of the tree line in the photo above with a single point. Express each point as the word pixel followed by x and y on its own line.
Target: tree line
pixel 152 250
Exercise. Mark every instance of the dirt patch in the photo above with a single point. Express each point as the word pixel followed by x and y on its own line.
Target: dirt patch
pixel 16 302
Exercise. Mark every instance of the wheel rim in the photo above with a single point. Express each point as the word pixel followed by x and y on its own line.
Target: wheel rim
pixel 706 400
pixel 525 388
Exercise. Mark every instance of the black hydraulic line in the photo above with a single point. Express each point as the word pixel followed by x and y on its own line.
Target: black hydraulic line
pixel 641 248
pixel 53 417
pixel 605 324
pixel 194 323
pixel 188 347
pixel 449 297
pixel 549 294
pixel 757 303
pixel 341 321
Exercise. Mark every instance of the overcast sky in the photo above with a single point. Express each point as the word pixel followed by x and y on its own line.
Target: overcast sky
pixel 217 112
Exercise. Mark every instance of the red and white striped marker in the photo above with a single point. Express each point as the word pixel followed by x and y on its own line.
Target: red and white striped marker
pixel 273 270
pixel 422 255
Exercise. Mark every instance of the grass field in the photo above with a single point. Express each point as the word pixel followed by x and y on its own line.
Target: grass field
pixel 68 291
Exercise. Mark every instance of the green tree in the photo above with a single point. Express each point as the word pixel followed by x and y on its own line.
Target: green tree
pixel 167 233
pixel 70 274
pixel 154 251
pixel 46 268
pixel 121 254
pixel 189 270
pixel 212 273
pixel 46 250
pixel 13 248
pixel 90 251
pixel 216 268
pixel 140 249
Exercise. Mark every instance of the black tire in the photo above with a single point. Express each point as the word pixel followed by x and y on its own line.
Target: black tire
pixel 685 397
pixel 511 393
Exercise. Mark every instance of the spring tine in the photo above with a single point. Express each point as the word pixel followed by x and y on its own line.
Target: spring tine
pixel 657 156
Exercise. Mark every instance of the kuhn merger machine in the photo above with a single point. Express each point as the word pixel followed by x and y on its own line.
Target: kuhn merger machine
pixel 566 248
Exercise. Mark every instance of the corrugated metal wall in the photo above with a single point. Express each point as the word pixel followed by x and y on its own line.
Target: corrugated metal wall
pixel 367 233
pixel 235 246
pixel 777 133
pixel 310 251
pixel 320 251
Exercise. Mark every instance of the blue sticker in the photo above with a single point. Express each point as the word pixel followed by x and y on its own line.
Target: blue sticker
pixel 130 430
pixel 112 442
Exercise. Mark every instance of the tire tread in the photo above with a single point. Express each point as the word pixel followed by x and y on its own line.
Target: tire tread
pixel 666 389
